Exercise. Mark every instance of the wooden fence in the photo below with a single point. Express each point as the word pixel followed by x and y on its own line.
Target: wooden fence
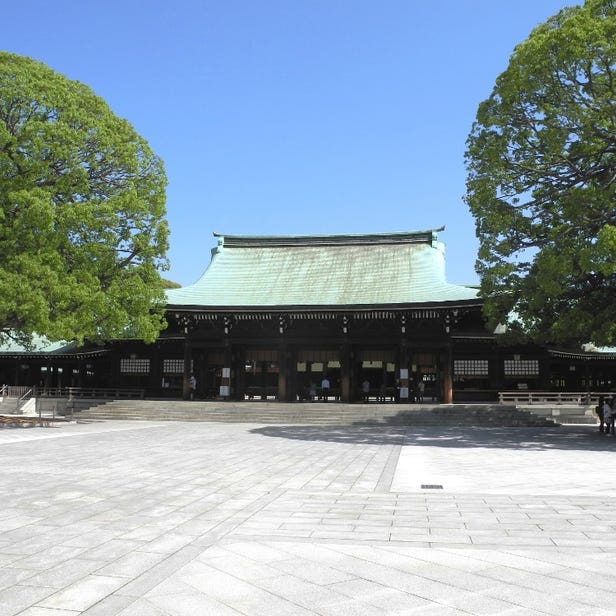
pixel 581 398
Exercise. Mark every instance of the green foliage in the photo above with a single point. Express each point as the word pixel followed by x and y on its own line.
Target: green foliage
pixel 170 284
pixel 541 185
pixel 83 234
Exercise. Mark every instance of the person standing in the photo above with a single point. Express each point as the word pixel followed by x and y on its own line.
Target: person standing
pixel 312 390
pixel 608 416
pixel 611 416
pixel 365 390
pixel 325 388
pixel 599 412
pixel 421 388
pixel 192 384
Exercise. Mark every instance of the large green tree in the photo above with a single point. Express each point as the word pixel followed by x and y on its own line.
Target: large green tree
pixel 83 234
pixel 541 182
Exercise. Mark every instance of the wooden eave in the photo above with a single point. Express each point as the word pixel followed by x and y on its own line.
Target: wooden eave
pixel 325 309
pixel 52 355
pixel 584 355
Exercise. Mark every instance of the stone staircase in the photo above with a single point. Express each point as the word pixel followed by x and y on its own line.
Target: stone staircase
pixel 8 405
pixel 11 405
pixel 318 413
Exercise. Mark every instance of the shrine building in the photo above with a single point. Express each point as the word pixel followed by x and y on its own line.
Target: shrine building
pixel 331 317
pixel 278 315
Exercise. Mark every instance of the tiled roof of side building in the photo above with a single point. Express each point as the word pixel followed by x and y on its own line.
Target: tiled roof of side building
pixel 38 344
pixel 324 270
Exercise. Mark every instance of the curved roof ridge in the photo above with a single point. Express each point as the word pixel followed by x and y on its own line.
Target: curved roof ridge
pixel 341 239
pixel 334 270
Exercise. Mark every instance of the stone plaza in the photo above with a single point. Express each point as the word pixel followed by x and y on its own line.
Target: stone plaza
pixel 128 518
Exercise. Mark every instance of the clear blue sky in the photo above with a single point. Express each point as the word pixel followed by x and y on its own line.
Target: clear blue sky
pixel 292 116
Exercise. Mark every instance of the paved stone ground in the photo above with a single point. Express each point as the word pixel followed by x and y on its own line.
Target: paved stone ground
pixel 177 519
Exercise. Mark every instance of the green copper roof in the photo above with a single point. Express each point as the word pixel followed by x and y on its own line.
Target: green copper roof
pixel 323 270
pixel 39 344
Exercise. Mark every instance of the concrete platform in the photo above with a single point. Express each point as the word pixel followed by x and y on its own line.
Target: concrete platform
pixel 172 519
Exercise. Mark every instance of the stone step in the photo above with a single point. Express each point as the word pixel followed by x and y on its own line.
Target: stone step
pixel 315 413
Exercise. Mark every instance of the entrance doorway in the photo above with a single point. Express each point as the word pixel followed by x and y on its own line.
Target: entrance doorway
pixel 425 369
pixel 377 380
pixel 318 374
pixel 260 372
pixel 318 380
pixel 375 376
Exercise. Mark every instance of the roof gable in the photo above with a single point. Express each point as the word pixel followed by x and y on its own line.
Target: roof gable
pixel 324 270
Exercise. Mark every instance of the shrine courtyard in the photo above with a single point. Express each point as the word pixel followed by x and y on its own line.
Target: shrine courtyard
pixel 129 518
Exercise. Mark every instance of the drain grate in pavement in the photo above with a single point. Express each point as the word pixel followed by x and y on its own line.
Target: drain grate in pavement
pixel 431 486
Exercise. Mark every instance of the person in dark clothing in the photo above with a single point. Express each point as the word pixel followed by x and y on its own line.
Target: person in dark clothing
pixel 608 415
pixel 599 412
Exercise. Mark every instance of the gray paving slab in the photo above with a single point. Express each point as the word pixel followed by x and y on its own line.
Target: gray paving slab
pixel 113 518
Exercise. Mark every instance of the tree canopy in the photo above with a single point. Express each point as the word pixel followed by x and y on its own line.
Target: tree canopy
pixel 541 184
pixel 83 234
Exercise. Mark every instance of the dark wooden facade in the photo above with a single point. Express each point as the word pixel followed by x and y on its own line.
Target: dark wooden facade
pixel 254 328
pixel 285 356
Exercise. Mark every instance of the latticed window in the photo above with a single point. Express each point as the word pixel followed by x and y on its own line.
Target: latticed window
pixel 173 366
pixel 129 365
pixel 521 367
pixel 470 367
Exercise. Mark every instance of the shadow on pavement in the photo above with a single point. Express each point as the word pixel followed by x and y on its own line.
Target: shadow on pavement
pixel 578 437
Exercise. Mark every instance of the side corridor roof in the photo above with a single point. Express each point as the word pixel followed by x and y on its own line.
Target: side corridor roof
pixel 323 271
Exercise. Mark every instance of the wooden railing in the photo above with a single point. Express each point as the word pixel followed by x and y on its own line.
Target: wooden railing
pixel 14 399
pixel 15 391
pixel 582 398
pixel 24 397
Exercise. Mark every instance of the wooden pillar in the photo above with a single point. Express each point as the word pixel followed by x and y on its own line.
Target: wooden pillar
pixel 544 372
pixel 447 375
pixel 496 376
pixel 235 359
pixel 47 382
pixel 225 381
pixel 81 375
pixel 587 384
pixel 346 381
pixel 116 380
pixel 283 373
pixel 187 369
pixel 204 375
pixel 344 356
pixel 283 360
pixel 356 393
pixel 292 388
pixel 403 372
pixel 156 369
